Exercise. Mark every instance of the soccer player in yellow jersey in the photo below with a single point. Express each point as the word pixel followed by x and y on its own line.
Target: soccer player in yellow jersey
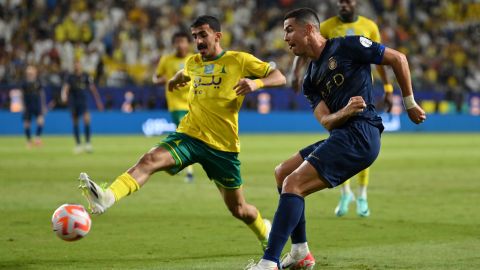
pixel 168 66
pixel 348 23
pixel 208 134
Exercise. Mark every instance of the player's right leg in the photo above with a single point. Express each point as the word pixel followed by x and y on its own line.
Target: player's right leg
pixel 299 255
pixel 101 199
pixel 87 131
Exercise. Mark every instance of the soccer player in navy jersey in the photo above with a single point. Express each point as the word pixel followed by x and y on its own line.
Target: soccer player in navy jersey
pixel 338 85
pixel 75 92
pixel 34 105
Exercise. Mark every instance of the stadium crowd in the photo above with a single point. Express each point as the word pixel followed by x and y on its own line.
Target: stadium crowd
pixel 120 42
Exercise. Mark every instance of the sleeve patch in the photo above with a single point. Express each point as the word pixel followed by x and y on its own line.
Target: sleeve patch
pixel 365 42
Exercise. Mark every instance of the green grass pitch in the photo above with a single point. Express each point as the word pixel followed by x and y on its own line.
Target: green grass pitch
pixel 424 198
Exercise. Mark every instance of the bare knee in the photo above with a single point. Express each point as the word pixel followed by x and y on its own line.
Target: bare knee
pixel 291 184
pixel 281 173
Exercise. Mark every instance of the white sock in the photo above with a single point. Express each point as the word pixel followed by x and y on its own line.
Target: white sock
pixel 300 250
pixel 362 192
pixel 345 188
pixel 267 264
pixel 109 199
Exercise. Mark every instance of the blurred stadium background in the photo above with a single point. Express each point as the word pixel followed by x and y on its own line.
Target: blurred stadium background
pixel 424 187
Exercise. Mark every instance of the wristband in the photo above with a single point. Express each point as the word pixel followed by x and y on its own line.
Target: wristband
pixel 259 83
pixel 388 88
pixel 409 102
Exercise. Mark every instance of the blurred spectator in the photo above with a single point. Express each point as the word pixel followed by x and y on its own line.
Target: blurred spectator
pixel 120 42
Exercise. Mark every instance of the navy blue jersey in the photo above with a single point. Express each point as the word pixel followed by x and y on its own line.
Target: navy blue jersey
pixel 32 91
pixel 79 86
pixel 343 71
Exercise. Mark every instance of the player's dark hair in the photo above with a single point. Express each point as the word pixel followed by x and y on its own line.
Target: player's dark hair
pixel 181 35
pixel 213 22
pixel 304 15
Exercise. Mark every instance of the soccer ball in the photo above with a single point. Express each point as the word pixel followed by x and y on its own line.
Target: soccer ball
pixel 71 222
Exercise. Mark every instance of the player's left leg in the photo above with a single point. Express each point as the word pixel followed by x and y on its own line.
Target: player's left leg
pixel 87 131
pixel 248 213
pixel 362 204
pixel 39 130
pixel 302 182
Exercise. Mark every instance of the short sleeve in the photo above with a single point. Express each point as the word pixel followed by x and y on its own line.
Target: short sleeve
pixel 375 34
pixel 254 67
pixel 186 68
pixel 161 66
pixel 363 50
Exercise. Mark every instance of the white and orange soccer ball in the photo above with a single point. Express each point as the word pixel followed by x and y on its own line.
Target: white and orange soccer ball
pixel 71 222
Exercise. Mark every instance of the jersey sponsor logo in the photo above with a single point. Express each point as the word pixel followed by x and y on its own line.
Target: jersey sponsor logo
pixel 337 80
pixel 208 69
pixel 215 82
pixel 365 42
pixel 332 63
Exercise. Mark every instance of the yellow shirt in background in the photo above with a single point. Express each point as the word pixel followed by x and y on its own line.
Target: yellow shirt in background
pixel 213 105
pixel 168 66
pixel 334 27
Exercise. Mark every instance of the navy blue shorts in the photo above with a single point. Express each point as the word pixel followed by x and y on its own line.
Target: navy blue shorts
pixel 346 152
pixel 31 112
pixel 78 109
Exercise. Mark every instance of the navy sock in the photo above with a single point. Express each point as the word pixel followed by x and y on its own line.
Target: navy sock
pixel 76 133
pixel 299 234
pixel 289 211
pixel 87 133
pixel 39 130
pixel 28 134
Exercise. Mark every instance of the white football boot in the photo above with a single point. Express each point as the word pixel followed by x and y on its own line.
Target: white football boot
pixel 290 262
pixel 99 199
pixel 261 265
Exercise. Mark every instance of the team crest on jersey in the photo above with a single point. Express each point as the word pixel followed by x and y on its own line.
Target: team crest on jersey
pixel 332 63
pixel 209 69
pixel 365 42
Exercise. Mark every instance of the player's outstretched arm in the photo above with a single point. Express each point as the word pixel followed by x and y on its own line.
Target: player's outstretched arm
pixel 64 93
pixel 274 78
pixel 178 80
pixel 387 87
pixel 156 79
pixel 96 96
pixel 333 120
pixel 398 62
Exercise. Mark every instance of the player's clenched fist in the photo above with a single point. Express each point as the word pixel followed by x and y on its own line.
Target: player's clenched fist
pixel 355 105
pixel 245 86
pixel 174 84
pixel 416 114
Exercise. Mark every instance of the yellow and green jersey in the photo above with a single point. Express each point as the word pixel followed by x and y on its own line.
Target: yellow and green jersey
pixel 212 103
pixel 334 27
pixel 168 66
